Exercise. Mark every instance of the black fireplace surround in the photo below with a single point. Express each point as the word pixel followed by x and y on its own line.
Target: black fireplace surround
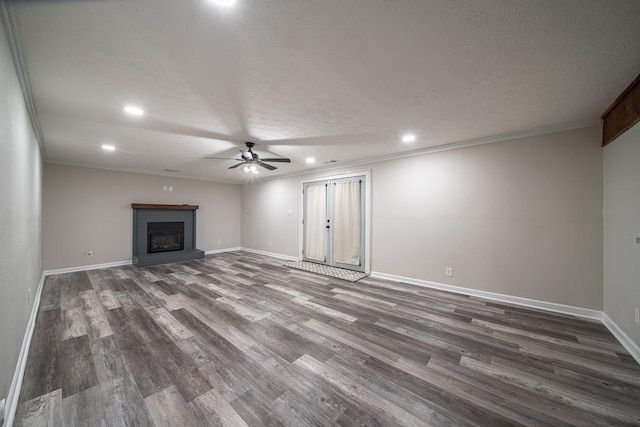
pixel 164 233
pixel 165 237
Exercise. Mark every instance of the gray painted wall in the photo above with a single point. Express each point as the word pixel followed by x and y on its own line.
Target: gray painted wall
pixel 520 217
pixel 621 227
pixel 20 216
pixel 86 208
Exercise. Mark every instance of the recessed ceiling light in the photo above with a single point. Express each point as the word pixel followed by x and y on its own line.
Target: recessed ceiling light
pixel 108 147
pixel 224 3
pixel 408 137
pixel 133 110
pixel 310 160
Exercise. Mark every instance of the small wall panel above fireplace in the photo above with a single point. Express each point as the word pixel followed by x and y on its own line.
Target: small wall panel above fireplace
pixel 164 233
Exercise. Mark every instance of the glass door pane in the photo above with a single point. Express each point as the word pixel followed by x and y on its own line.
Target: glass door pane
pixel 347 222
pixel 315 222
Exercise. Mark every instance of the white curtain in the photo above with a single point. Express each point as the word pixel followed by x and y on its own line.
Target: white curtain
pixel 315 245
pixel 346 224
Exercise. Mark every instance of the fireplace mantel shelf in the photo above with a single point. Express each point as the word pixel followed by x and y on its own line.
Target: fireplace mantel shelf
pixel 168 207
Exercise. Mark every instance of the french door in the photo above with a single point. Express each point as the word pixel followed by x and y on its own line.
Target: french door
pixel 334 222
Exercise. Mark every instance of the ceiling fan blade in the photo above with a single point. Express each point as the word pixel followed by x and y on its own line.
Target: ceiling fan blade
pixel 279 159
pixel 266 166
pixel 238 165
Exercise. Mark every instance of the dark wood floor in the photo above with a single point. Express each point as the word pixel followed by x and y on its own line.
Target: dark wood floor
pixel 239 339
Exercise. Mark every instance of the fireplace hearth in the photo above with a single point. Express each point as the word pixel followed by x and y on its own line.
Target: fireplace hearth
pixel 164 233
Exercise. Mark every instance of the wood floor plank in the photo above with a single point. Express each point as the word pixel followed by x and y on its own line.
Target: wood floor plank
pixel 108 359
pixel 42 371
pixel 217 320
pixel 74 324
pixel 242 309
pixel 169 324
pixel 464 391
pixel 97 323
pixel 386 410
pixel 324 309
pixel 213 408
pixel 513 403
pixel 398 395
pixel 77 370
pixel 240 339
pixel 108 299
pixel 50 298
pixel 557 393
pixel 226 291
pixel 253 411
pixel 167 406
pixel 225 353
pixel 147 371
pixel 123 403
pixel 367 347
pixel 44 410
pixel 84 408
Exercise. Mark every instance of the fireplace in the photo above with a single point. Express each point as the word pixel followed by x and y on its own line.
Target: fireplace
pixel 164 233
pixel 165 237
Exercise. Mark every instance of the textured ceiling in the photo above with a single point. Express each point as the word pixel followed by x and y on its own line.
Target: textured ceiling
pixel 335 79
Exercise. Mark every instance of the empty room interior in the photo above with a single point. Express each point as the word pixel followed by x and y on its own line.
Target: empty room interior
pixel 312 213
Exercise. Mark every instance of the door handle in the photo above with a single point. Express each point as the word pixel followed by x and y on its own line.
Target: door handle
pixel 327 226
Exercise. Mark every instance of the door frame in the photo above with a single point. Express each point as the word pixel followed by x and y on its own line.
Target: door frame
pixel 367 211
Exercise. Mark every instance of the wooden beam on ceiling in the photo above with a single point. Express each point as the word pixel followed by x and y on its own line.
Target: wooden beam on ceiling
pixel 622 114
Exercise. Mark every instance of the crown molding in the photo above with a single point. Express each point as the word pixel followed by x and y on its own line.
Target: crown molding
pixel 8 22
pixel 142 172
pixel 561 127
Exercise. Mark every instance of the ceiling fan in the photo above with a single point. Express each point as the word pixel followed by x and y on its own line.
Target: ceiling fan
pixel 251 160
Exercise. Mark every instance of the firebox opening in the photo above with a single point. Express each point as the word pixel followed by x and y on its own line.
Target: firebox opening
pixel 165 237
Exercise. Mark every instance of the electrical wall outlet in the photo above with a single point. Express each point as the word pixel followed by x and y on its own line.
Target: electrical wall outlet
pixel 219 240
pixel 448 271
pixel 637 315
pixel 29 296
pixel 89 253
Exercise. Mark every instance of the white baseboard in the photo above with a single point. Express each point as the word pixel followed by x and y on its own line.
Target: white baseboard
pixel 16 384
pixel 120 263
pixel 129 262
pixel 271 254
pixel 632 347
pixel 87 267
pixel 526 302
pixel 220 251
